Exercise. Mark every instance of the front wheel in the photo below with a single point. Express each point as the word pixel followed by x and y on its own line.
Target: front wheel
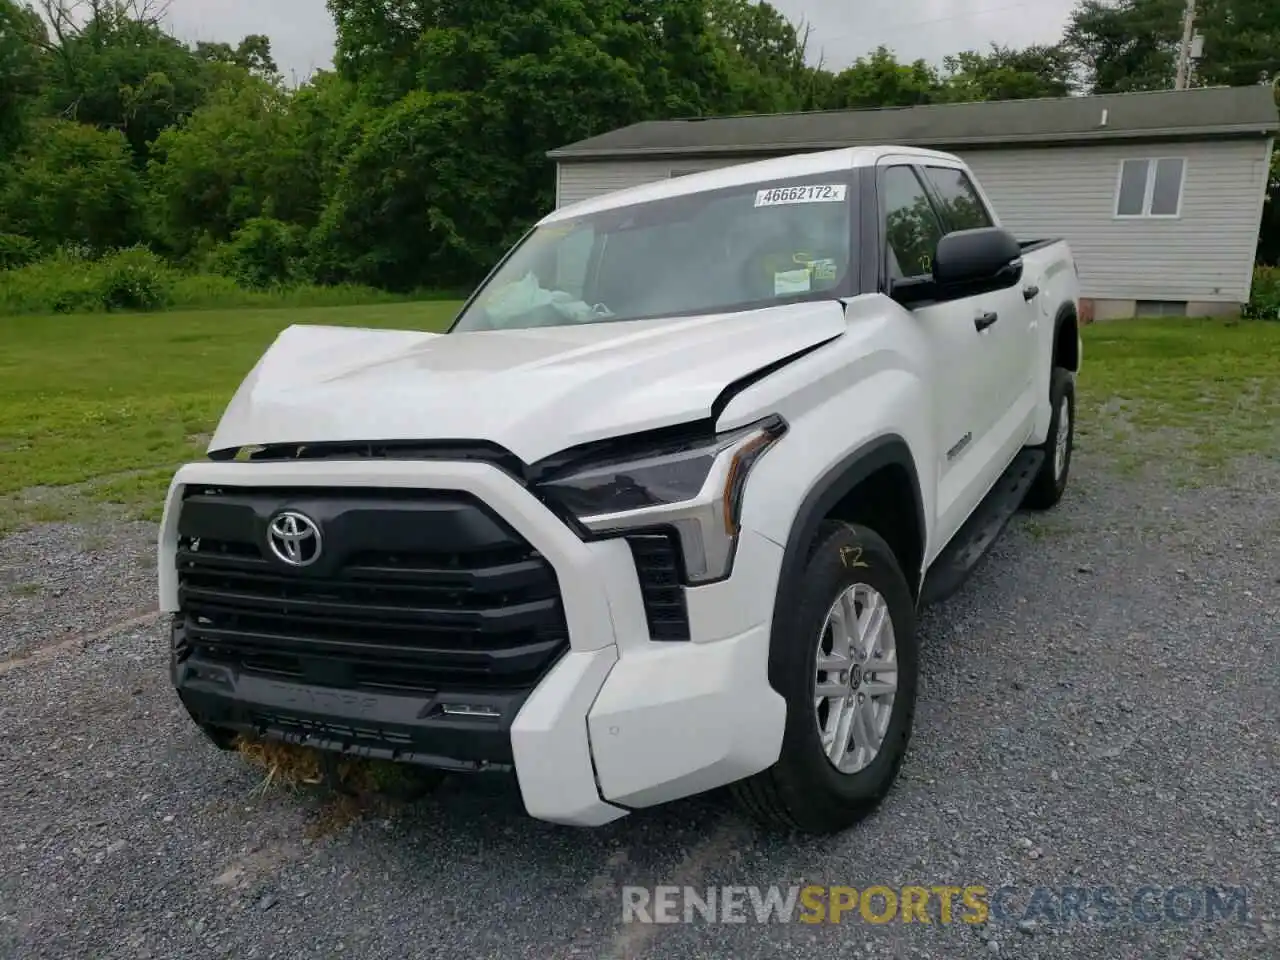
pixel 846 663
pixel 1051 482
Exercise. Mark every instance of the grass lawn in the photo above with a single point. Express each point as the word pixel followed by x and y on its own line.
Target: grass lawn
pixel 102 409
pixel 1198 393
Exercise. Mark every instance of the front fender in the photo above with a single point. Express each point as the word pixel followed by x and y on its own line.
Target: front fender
pixel 860 389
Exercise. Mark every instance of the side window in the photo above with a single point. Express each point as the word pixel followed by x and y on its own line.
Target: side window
pixel 962 207
pixel 912 229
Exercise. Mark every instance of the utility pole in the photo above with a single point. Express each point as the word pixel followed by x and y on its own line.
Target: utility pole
pixel 1184 51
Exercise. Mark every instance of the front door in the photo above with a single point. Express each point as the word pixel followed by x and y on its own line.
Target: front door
pixel 1012 337
pixel 963 360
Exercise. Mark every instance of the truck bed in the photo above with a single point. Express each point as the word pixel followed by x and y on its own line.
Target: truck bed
pixel 1028 246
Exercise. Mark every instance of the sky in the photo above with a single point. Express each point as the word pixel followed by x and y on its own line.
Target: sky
pixel 302 34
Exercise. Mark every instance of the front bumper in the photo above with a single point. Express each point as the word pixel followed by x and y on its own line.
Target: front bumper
pixel 619 721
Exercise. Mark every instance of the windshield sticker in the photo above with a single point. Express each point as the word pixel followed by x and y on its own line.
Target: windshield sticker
pixel 790 281
pixel 816 193
pixel 823 269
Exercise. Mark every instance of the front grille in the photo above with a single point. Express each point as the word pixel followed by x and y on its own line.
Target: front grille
pixel 347 734
pixel 657 561
pixel 414 591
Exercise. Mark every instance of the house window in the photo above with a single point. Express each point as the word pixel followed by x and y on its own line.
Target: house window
pixel 1150 187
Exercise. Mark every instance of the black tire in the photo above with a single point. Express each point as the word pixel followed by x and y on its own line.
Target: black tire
pixel 804 791
pixel 1050 483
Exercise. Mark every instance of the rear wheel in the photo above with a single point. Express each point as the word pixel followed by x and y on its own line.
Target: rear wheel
pixel 846 663
pixel 1051 482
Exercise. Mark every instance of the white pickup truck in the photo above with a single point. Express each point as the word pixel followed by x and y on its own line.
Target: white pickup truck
pixel 656 515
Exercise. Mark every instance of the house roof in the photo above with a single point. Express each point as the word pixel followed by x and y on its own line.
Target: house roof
pixel 1200 113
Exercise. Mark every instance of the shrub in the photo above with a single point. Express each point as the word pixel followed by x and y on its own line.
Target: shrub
pixel 1264 302
pixel 209 290
pixel 212 291
pixel 71 281
pixel 134 279
pixel 17 251
pixel 77 252
pixel 263 253
pixel 61 283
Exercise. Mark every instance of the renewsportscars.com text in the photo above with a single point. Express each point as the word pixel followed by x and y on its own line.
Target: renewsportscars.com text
pixel 940 904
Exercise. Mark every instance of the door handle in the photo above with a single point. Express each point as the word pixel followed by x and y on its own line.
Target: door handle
pixel 985 320
pixel 1030 293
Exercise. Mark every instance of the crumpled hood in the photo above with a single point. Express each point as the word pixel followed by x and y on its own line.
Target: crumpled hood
pixel 534 392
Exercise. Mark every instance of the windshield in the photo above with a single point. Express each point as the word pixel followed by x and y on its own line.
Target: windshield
pixel 734 249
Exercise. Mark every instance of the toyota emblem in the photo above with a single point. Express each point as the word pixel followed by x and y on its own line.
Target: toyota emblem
pixel 294 538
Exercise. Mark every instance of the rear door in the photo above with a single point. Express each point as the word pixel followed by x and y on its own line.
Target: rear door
pixel 1011 338
pixel 962 362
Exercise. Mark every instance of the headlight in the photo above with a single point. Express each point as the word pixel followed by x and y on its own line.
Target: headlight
pixel 694 486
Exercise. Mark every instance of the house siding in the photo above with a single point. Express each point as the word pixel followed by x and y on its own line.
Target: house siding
pixel 582 181
pixel 1204 256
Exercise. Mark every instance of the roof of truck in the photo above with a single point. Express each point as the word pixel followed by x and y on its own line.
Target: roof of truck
pixel 741 174
pixel 1199 113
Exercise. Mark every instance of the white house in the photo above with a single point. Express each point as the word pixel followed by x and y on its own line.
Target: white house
pixel 1159 193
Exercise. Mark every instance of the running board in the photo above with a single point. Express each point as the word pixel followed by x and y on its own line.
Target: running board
pixel 961 556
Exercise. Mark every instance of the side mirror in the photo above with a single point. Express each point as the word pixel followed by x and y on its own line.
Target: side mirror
pixel 970 262
pixel 966 263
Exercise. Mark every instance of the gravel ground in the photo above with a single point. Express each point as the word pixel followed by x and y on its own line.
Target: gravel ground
pixel 60 580
pixel 1099 708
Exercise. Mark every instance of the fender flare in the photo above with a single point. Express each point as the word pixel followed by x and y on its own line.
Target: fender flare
pixel 1066 312
pixel 826 492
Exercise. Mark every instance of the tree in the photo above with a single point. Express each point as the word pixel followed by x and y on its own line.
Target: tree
pixel 768 55
pixel 21 71
pixel 377 43
pixel 238 157
pixel 879 80
pixel 419 201
pixel 252 55
pixel 1241 42
pixel 1269 235
pixel 1008 74
pixel 1133 44
pixel 520 78
pixel 331 119
pixel 73 184
pixel 116 68
pixel 1124 45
